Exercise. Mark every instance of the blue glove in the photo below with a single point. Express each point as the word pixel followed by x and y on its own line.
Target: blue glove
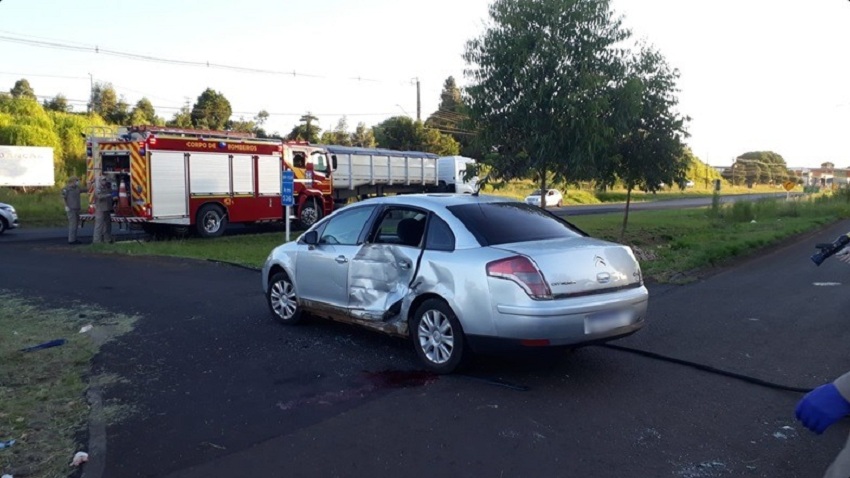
pixel 822 407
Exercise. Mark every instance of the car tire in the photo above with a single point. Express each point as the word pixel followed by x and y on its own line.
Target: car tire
pixel 211 221
pixel 437 337
pixel 310 214
pixel 282 300
pixel 3 225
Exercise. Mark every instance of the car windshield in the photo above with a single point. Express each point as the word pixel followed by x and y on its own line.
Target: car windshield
pixel 509 222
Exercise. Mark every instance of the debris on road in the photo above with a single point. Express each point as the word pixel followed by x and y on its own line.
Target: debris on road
pixel 45 345
pixel 79 458
pixel 86 328
pixel 6 444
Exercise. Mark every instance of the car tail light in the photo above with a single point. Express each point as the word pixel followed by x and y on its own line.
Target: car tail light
pixel 524 273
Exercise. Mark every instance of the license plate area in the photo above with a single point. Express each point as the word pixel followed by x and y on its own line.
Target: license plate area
pixel 606 321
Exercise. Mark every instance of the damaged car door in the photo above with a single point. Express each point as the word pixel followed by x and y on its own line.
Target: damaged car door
pixel 382 271
pixel 322 269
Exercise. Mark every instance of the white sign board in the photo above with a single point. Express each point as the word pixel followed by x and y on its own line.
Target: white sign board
pixel 26 166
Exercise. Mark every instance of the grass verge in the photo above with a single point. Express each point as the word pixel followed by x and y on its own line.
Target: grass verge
pixel 671 244
pixel 674 245
pixel 41 207
pixel 42 392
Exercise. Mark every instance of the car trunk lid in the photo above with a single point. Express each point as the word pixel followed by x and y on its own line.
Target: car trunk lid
pixel 581 265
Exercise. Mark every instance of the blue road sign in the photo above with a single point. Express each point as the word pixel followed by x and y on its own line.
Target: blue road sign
pixel 287 189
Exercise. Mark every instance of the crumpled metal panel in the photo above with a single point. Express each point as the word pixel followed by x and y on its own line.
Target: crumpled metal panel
pixel 378 279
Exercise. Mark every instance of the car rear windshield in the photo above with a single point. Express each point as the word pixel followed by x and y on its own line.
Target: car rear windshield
pixel 508 222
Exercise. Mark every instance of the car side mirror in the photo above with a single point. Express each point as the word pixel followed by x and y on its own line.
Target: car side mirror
pixel 311 238
pixel 333 162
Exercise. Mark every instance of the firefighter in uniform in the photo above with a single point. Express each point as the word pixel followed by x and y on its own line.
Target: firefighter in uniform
pixel 71 197
pixel 103 211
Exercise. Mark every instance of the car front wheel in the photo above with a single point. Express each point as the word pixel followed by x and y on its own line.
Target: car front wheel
pixel 437 336
pixel 282 300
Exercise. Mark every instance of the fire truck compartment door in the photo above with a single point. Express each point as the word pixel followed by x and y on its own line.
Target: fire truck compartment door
pixel 169 197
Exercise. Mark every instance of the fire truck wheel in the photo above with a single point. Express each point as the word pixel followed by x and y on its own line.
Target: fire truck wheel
pixel 212 221
pixel 282 300
pixel 310 213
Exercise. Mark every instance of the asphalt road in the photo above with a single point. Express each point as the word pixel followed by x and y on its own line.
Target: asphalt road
pixel 219 389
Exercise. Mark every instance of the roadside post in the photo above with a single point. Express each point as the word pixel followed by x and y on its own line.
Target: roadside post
pixel 788 185
pixel 287 197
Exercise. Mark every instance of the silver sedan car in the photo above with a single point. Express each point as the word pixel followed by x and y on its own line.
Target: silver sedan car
pixel 458 274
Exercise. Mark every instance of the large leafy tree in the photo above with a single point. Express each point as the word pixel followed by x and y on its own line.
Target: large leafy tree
pixel 760 167
pixel 58 103
pixel 363 136
pixel 211 111
pixel 650 131
pixel 104 100
pixel 143 113
pixel 451 117
pixel 404 134
pixel 541 79
pixel 183 118
pixel 22 89
pixel 339 135
pixel 307 130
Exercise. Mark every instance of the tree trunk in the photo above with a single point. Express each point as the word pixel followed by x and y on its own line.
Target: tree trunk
pixel 626 214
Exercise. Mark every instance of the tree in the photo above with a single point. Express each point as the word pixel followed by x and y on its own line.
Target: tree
pixel 104 100
pixel 58 103
pixel 143 113
pixel 183 118
pixel 363 136
pixel 242 125
pixel 763 167
pixel 261 118
pixel 306 131
pixel 120 114
pixel 211 111
pixel 650 149
pixel 339 135
pixel 404 134
pixel 22 89
pixel 541 79
pixel 451 117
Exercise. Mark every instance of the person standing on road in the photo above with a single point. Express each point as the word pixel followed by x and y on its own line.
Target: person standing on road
pixel 71 197
pixel 827 404
pixel 103 211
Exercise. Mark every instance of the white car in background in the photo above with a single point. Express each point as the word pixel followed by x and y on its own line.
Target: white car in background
pixel 8 217
pixel 553 198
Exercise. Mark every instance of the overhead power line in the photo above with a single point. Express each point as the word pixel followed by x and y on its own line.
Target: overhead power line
pixel 252 113
pixel 64 45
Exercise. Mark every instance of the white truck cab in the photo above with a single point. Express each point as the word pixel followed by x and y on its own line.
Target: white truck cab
pixel 450 172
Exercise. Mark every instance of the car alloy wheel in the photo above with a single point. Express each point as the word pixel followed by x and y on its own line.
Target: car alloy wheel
pixel 282 299
pixel 437 336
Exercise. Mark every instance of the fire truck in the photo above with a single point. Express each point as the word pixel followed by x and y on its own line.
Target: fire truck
pixel 188 180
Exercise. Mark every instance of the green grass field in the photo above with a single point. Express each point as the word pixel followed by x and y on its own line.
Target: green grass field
pixel 671 245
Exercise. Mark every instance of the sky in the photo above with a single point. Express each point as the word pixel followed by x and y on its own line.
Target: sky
pixel 755 74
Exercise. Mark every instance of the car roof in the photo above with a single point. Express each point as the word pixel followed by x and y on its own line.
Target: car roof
pixel 436 200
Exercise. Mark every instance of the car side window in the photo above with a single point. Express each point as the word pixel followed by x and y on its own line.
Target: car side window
pixel 440 236
pixel 401 226
pixel 344 229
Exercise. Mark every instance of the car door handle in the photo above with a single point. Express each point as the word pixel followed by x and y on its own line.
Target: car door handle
pixel 341 259
pixel 404 264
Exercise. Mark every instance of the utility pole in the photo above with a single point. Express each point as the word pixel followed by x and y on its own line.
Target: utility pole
pixel 91 92
pixel 418 101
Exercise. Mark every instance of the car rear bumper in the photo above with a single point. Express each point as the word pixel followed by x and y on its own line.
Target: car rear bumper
pixel 488 344
pixel 572 321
